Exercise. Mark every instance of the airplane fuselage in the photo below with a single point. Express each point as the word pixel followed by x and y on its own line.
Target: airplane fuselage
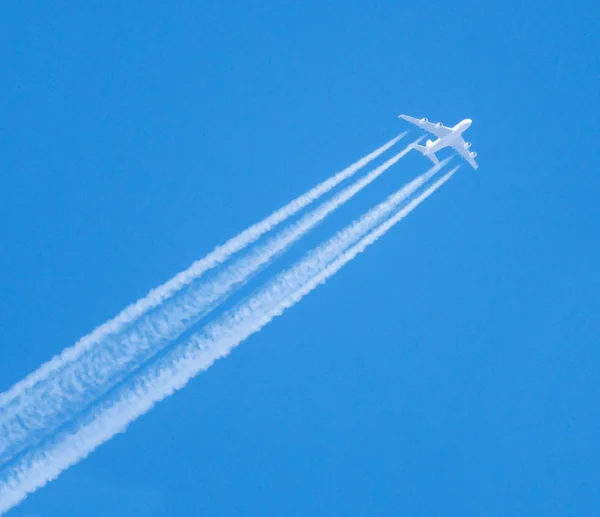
pixel 448 140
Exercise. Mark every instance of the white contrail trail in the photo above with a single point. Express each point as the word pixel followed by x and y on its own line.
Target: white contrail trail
pixel 217 256
pixel 76 384
pixel 36 468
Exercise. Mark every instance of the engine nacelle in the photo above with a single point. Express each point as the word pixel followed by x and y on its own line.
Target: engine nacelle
pixel 424 120
pixel 467 145
pixel 473 154
pixel 438 125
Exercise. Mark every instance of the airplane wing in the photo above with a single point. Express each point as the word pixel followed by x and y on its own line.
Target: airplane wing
pixel 459 147
pixel 438 129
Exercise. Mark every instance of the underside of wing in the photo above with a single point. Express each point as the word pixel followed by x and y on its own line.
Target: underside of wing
pixel 438 129
pixel 463 148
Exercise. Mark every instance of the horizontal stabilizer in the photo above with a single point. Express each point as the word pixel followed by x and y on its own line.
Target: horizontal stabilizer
pixel 432 156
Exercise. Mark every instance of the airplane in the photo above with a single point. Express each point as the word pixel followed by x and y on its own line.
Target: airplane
pixel 447 137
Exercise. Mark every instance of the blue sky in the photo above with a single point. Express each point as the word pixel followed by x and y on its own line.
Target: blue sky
pixel 450 370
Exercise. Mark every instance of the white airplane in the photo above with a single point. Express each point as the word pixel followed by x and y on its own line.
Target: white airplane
pixel 446 137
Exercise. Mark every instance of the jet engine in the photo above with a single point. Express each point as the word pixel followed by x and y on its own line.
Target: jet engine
pixel 423 120
pixel 473 154
pixel 467 145
pixel 438 125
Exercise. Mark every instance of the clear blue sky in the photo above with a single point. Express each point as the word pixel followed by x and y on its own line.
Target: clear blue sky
pixel 451 370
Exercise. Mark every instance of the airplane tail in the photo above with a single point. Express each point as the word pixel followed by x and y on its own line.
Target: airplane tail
pixel 432 156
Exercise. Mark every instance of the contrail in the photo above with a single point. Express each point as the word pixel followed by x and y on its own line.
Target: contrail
pixel 217 256
pixel 173 372
pixel 76 384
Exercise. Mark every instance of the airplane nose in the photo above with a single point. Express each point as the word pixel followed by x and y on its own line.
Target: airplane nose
pixel 468 121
